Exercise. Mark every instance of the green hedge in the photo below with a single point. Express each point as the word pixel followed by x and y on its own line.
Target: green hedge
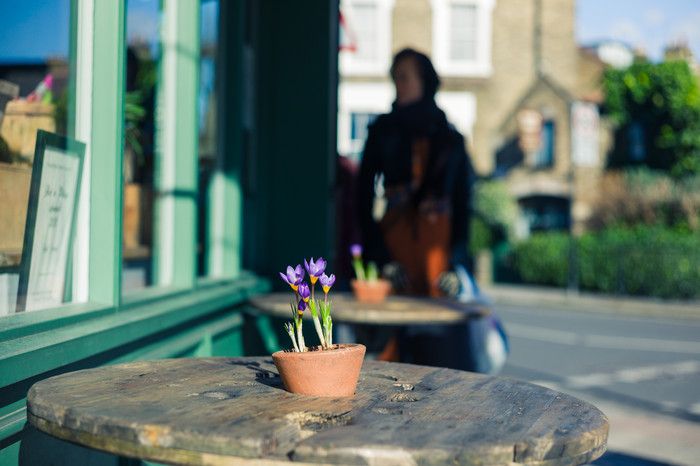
pixel 645 261
pixel 543 259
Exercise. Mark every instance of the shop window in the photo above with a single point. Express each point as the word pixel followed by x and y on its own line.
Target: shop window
pixel 140 132
pixel 37 85
pixel 208 117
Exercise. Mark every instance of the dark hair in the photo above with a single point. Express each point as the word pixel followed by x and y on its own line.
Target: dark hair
pixel 430 78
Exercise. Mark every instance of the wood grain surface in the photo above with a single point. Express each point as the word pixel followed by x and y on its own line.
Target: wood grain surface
pixel 233 410
pixel 396 310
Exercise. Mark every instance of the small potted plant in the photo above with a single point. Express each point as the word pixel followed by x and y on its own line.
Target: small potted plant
pixel 327 369
pixel 367 285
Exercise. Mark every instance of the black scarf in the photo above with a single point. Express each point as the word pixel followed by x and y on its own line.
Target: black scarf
pixel 420 119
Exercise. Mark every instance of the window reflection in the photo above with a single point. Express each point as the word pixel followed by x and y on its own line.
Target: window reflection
pixel 209 30
pixel 140 128
pixel 35 93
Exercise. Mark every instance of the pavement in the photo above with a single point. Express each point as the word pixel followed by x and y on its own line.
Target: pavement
pixel 591 302
pixel 637 437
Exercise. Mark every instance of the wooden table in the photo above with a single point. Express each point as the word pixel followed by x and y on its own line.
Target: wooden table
pixel 224 410
pixel 396 310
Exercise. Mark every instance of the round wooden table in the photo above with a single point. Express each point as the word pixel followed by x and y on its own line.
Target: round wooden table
pixel 224 410
pixel 396 310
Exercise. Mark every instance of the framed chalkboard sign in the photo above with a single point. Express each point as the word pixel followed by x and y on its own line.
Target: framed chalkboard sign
pixel 51 213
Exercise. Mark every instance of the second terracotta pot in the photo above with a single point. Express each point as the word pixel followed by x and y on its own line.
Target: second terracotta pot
pixel 321 373
pixel 371 292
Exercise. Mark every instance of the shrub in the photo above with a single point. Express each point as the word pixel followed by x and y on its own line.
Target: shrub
pixel 543 259
pixel 649 197
pixel 647 261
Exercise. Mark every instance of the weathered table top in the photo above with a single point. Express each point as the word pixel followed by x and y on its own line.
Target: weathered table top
pixel 223 410
pixel 396 310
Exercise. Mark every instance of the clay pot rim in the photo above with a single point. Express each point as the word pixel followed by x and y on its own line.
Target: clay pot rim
pixel 381 282
pixel 338 348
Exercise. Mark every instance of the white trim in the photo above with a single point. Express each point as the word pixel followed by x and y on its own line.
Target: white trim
pixel 83 133
pixel 349 64
pixel 481 66
pixel 167 116
pixel 360 98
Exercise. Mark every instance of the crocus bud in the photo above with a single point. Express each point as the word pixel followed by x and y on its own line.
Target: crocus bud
pixel 304 292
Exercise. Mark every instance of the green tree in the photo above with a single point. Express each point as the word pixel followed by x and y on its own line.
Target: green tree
pixel 660 103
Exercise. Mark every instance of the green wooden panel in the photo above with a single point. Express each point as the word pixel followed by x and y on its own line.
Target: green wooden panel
pixel 181 326
pixel 106 148
pixel 34 354
pixel 292 211
pixel 224 195
pixel 27 323
pixel 219 335
pixel 177 180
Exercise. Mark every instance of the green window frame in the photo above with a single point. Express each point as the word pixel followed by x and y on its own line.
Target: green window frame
pixel 182 315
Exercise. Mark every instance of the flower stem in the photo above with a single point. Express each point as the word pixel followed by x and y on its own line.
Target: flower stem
pixel 300 336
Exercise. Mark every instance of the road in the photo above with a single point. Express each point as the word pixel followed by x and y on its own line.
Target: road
pixel 643 371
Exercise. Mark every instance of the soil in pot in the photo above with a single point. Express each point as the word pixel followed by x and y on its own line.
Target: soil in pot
pixel 316 372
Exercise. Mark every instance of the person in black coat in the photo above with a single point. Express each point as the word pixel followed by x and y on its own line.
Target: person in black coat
pixel 423 233
pixel 426 174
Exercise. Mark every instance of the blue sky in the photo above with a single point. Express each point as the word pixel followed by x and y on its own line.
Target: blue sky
pixel 650 24
pixel 35 29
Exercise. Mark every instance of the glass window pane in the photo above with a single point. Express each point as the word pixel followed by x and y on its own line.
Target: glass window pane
pixel 463 32
pixel 140 156
pixel 365 25
pixel 36 92
pixel 544 157
pixel 209 30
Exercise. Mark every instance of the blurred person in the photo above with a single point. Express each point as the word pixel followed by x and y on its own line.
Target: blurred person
pixel 427 174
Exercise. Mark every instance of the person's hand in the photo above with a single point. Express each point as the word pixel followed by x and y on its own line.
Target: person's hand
pixel 396 275
pixel 448 283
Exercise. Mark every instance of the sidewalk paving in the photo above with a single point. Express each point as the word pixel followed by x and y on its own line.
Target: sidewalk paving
pixel 637 437
pixel 585 301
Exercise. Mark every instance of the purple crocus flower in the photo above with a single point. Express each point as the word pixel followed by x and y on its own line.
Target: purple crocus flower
pixel 304 292
pixel 327 282
pixel 356 251
pixel 315 269
pixel 294 276
pixel 301 307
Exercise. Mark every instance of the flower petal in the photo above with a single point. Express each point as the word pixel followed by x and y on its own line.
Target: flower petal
pixel 356 250
pixel 304 291
pixel 284 277
pixel 299 274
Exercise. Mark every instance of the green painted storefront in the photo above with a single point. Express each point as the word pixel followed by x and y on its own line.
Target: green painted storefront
pixel 269 206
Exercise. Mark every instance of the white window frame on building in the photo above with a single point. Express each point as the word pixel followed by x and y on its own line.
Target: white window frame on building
pixel 362 98
pixel 355 62
pixel 480 64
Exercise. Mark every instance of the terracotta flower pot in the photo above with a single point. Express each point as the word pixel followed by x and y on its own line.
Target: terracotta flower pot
pixel 321 373
pixel 371 292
